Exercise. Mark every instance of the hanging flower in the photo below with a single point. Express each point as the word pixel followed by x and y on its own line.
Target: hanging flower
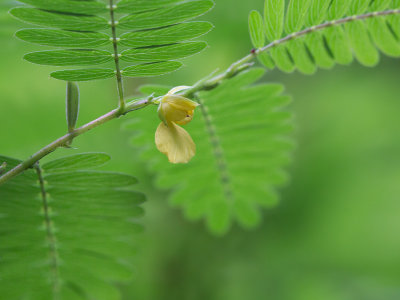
pixel 171 139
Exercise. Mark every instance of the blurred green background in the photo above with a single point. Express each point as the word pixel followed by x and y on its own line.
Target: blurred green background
pixel 335 234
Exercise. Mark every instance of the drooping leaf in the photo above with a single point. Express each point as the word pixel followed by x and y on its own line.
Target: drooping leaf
pixel 242 140
pixel 65 237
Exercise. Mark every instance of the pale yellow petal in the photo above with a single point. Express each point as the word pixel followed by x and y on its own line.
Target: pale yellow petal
pixel 180 102
pixel 171 114
pixel 187 119
pixel 175 142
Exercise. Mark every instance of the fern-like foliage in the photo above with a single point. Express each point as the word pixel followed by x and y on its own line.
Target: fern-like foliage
pixel 243 141
pixel 337 43
pixel 148 38
pixel 67 232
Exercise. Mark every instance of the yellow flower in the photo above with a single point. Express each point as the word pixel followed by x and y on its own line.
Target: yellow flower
pixel 171 139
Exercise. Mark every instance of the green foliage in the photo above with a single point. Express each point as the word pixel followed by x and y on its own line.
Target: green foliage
pixel 67 232
pixel 85 25
pixel 256 28
pixel 242 139
pixel 336 44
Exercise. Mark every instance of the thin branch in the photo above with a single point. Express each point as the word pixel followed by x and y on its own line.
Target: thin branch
pixel 203 85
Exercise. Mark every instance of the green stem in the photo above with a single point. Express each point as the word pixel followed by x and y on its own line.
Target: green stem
pixel 118 72
pixel 202 85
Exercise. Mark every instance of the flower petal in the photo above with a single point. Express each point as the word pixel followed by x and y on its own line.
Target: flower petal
pixel 180 102
pixel 175 142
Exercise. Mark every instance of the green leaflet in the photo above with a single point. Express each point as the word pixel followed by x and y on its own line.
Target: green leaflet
pixel 166 16
pixel 129 6
pixel 380 5
pixel 73 241
pixel 62 21
pixel 281 58
pixel 274 13
pixel 96 179
pixel 76 57
pixel 338 9
pixel 296 15
pixel 152 69
pixel 77 161
pixel 300 56
pixel 317 48
pixel 318 12
pixel 69 6
pixel 161 53
pixel 363 48
pixel 383 38
pixel 256 29
pixel 62 38
pixel 242 146
pixel 339 45
pixel 83 74
pixel 168 35
pixel 358 7
pixel 265 59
